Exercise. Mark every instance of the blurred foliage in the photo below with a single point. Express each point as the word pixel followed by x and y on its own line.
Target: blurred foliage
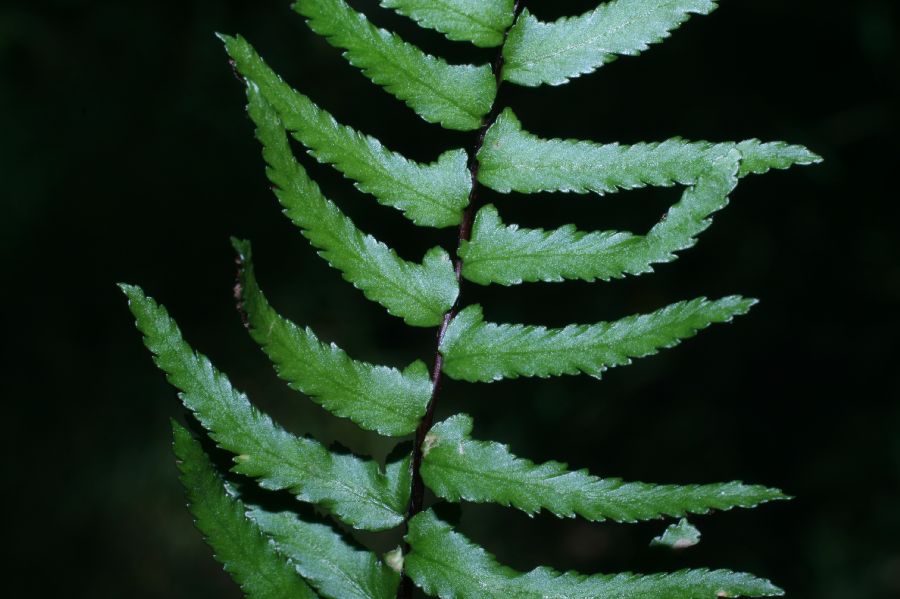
pixel 126 155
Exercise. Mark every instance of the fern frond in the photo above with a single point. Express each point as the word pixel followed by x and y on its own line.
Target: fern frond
pixel 432 195
pixel 446 564
pixel 419 293
pixel 247 555
pixel 479 351
pixel 482 22
pixel 538 53
pixel 353 489
pixel 455 96
pixel 332 566
pixel 457 467
pixel 513 159
pixel 376 398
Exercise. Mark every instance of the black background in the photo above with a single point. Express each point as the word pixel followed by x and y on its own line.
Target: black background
pixel 127 156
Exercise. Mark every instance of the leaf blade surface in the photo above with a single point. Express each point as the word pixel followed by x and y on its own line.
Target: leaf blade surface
pixel 353 489
pixel 334 567
pixel 258 568
pixel 420 294
pixel 457 467
pixel 482 22
pixel 446 564
pixel 479 351
pixel 432 195
pixel 454 96
pixel 540 53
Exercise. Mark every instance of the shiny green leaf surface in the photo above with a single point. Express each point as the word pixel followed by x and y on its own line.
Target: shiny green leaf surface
pixel 376 398
pixel 539 53
pixel 259 568
pixel 329 563
pixel 420 294
pixel 454 96
pixel 479 351
pixel 457 467
pixel 515 160
pixel 446 564
pixel 432 195
pixel 355 490
pixel 482 22
pixel 512 159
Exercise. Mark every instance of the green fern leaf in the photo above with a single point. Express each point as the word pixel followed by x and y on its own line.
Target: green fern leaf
pixel 477 351
pixel 446 564
pixel 456 467
pixel 510 255
pixel 260 570
pixel 513 159
pixel 376 398
pixel 432 195
pixel 353 489
pixel 482 22
pixel 329 563
pixel 538 53
pixel 455 96
pixel 419 293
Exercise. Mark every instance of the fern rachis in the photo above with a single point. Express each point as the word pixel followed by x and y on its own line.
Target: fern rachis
pixel 278 553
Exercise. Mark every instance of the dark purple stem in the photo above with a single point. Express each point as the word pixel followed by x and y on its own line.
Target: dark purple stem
pixel 417 493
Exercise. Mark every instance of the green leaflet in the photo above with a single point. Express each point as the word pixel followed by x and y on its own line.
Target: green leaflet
pixel 513 159
pixel 477 351
pixel 446 564
pixel 260 570
pixel 419 293
pixel 538 53
pixel 455 96
pixel 432 195
pixel 456 467
pixel 509 255
pixel 353 489
pixel 330 564
pixel 376 398
pixel 680 535
pixel 482 22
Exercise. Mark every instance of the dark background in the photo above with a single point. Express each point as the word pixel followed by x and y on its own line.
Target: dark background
pixel 127 156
